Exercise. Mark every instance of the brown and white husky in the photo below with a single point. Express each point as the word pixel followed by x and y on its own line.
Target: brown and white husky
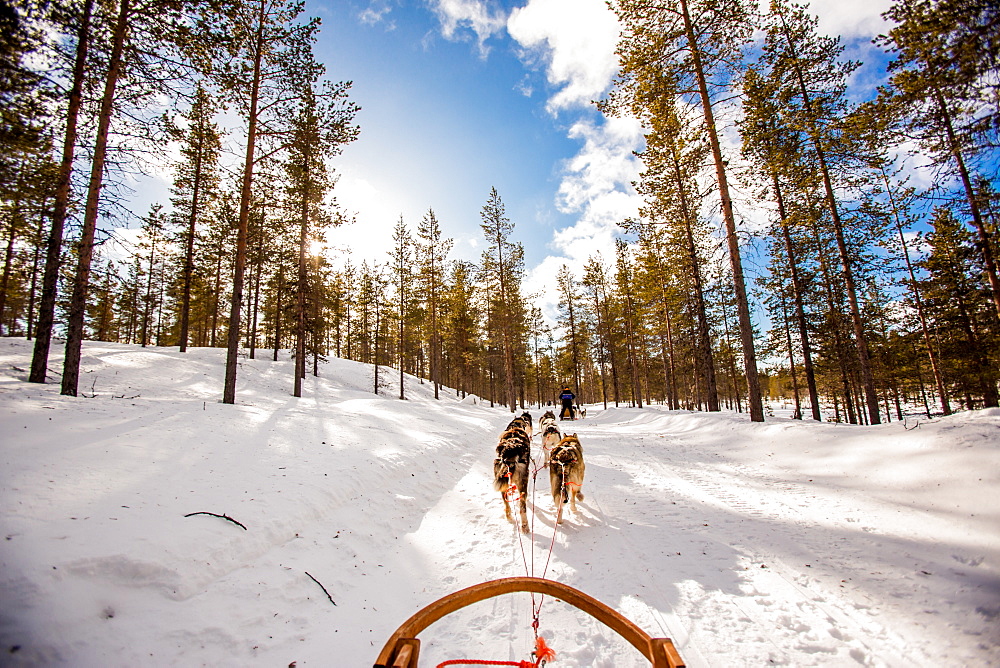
pixel 566 469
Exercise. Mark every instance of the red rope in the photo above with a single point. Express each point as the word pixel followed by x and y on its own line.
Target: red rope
pixel 483 662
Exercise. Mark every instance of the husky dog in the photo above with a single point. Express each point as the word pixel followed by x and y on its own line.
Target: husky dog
pixel 566 469
pixel 548 419
pixel 550 439
pixel 510 472
pixel 524 422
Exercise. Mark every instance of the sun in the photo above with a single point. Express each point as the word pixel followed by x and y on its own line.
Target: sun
pixel 316 248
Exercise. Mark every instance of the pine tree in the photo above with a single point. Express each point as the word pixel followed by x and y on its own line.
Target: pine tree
pixel 461 326
pixel 944 85
pixel 148 47
pixel 272 55
pixel 53 256
pixel 432 255
pixel 402 258
pixel 323 123
pixel 959 303
pixel 194 189
pixel 695 42
pixel 807 64
pixel 569 305
pixel 503 267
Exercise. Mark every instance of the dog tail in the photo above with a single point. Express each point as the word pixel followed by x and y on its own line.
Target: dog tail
pixel 500 478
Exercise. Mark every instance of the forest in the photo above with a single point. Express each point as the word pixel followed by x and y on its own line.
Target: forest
pixel 877 296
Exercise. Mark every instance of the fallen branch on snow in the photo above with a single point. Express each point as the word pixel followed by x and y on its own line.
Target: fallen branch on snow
pixel 223 516
pixel 321 587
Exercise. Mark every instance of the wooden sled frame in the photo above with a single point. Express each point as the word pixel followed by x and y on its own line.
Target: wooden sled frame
pixel 402 650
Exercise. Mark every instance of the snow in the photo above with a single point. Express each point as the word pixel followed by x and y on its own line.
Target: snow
pixel 788 542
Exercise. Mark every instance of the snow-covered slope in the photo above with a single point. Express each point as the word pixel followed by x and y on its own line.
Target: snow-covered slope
pixel 789 542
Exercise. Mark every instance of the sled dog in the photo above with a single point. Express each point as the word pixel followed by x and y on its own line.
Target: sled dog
pixel 548 419
pixel 550 439
pixel 510 473
pixel 566 470
pixel 522 422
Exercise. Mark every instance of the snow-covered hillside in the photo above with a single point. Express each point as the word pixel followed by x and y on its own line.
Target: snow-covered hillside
pixel 787 542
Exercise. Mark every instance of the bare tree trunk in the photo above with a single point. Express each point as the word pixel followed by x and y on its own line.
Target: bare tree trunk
pixel 78 302
pixel 258 271
pixel 35 256
pixel 233 347
pixel 791 360
pixel 742 305
pixel 50 279
pixel 300 305
pixel 189 249
pixel 800 313
pixel 277 311
pixel 918 302
pixel 8 259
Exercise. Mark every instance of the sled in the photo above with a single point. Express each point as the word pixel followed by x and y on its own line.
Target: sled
pixel 402 650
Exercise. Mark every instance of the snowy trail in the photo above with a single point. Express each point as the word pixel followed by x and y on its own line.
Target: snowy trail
pixel 789 543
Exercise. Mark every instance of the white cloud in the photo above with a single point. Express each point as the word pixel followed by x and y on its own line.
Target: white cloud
pixel 598 185
pixel 374 14
pixel 851 18
pixel 459 15
pixel 576 39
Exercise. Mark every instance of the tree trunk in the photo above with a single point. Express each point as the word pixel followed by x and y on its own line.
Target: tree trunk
pixel 8 259
pixel 864 362
pixel 78 302
pixel 300 304
pixel 233 347
pixel 189 248
pixel 277 311
pixel 742 305
pixel 800 313
pixel 53 254
pixel 258 272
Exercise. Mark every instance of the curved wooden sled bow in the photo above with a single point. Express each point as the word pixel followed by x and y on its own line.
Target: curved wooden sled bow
pixel 402 650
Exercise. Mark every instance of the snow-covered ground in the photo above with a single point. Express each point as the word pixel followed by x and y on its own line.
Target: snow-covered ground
pixel 786 542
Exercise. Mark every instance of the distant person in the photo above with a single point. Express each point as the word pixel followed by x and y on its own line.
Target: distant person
pixel 567 398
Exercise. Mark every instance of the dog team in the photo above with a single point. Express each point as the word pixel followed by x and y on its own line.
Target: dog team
pixel 512 466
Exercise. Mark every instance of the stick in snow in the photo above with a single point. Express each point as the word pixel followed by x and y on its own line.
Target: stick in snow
pixel 223 516
pixel 321 587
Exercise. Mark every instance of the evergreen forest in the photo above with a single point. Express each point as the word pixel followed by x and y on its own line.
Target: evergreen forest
pixel 872 296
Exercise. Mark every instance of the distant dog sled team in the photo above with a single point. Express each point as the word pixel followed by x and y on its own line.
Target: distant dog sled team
pixel 563 456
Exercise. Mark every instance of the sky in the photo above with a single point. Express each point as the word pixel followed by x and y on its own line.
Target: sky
pixel 461 96
pixel 788 542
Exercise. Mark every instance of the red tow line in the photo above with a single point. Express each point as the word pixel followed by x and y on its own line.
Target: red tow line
pixel 543 652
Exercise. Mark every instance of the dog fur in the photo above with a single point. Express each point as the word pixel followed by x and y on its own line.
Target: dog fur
pixel 511 469
pixel 548 419
pixel 550 439
pixel 523 422
pixel 566 469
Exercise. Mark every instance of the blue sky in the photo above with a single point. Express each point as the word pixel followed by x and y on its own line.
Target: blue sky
pixel 459 96
pixel 453 105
